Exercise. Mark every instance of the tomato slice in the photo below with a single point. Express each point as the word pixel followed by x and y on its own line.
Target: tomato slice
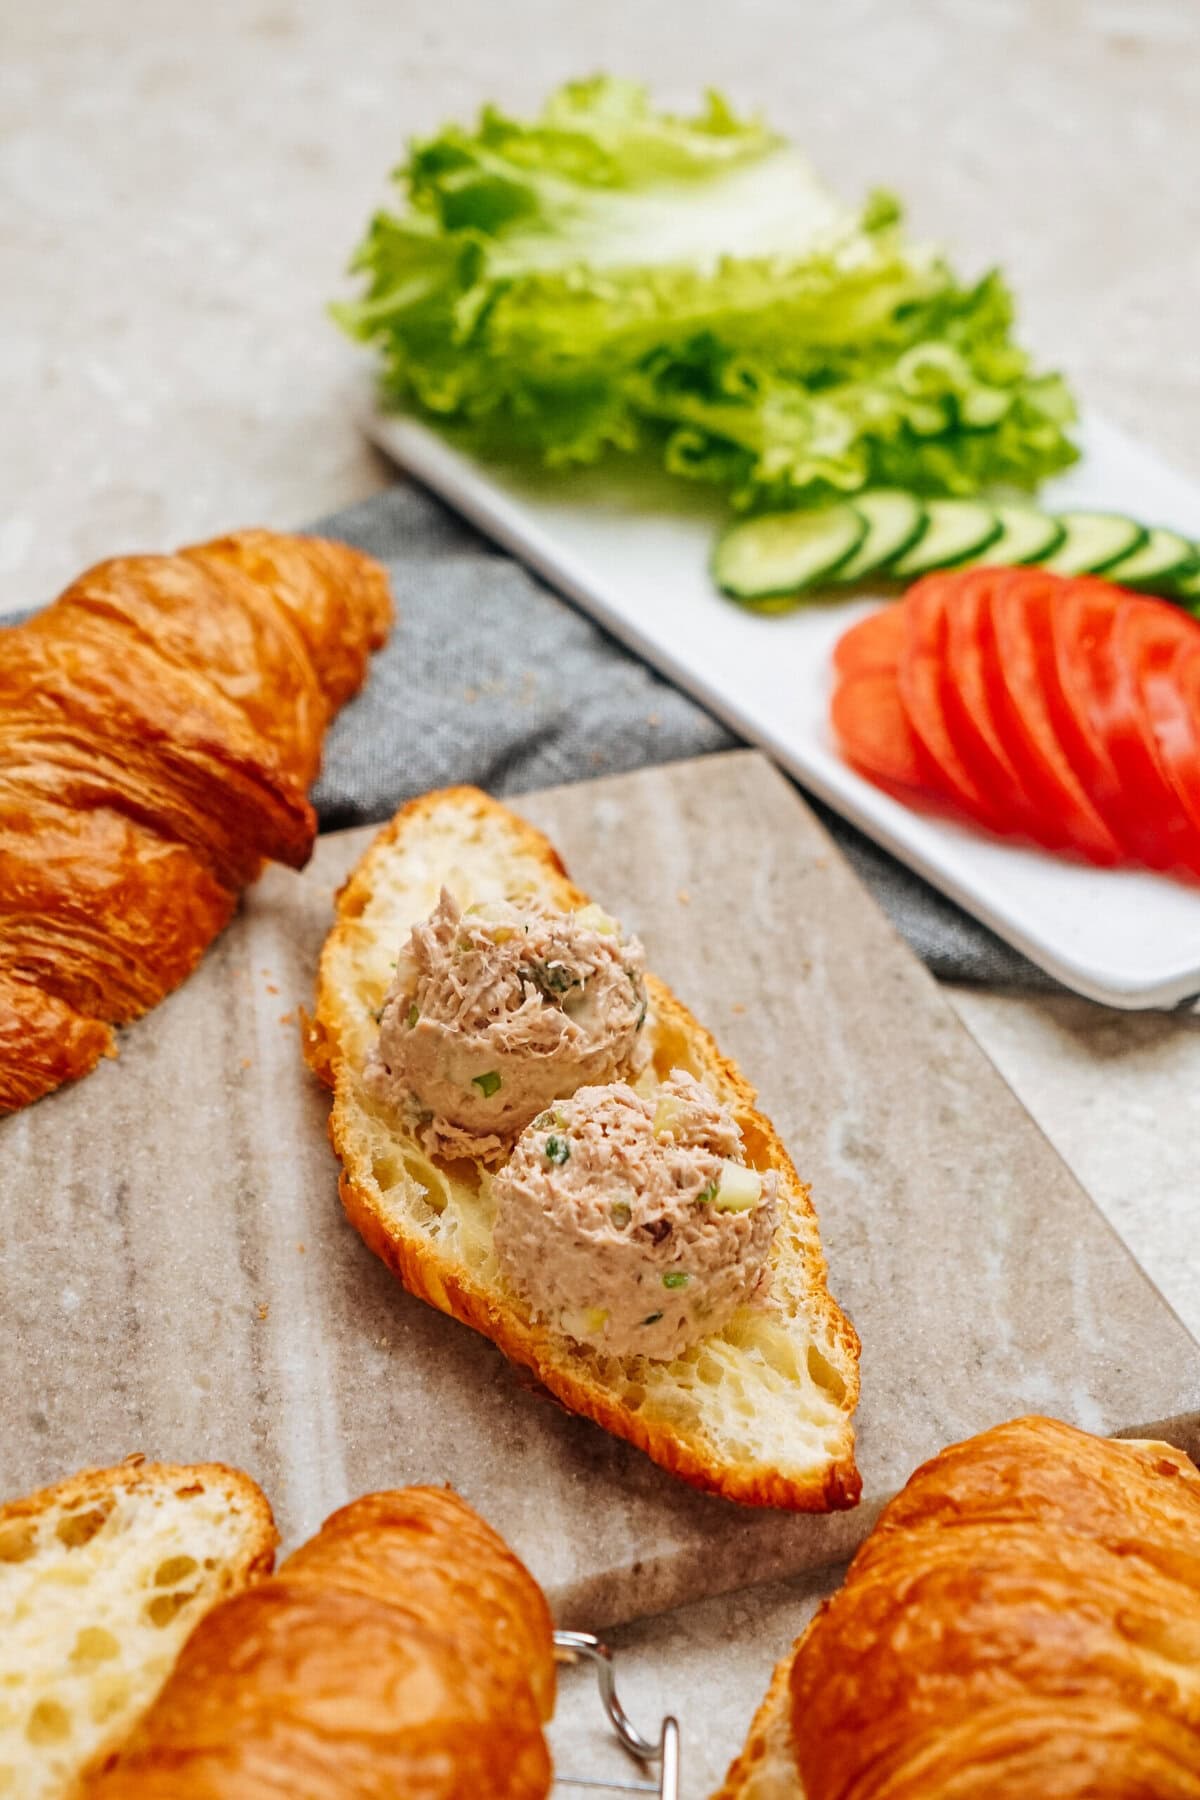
pixel 1164 657
pixel 1024 702
pixel 1104 636
pixel 1081 620
pixel 872 727
pixel 1172 695
pixel 1180 744
pixel 923 689
pixel 970 714
pixel 874 643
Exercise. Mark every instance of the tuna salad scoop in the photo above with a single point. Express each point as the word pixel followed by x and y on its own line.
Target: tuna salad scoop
pixel 497 1011
pixel 631 1224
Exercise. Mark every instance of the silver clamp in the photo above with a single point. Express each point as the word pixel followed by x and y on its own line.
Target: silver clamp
pixel 576 1646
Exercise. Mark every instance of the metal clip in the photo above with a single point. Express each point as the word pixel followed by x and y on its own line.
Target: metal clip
pixel 570 1647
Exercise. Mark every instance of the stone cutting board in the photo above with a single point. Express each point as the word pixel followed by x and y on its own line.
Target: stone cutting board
pixel 176 1275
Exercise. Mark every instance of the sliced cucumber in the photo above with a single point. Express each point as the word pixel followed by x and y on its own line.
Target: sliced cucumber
pixel 1026 536
pixel 1186 585
pixel 780 553
pixel 1093 542
pixel 894 522
pixel 1164 555
pixel 956 531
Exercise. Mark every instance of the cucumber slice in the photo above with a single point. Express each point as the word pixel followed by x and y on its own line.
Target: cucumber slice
pixel 1164 555
pixel 1186 585
pixel 894 522
pixel 1093 542
pixel 780 553
pixel 956 531
pixel 1026 536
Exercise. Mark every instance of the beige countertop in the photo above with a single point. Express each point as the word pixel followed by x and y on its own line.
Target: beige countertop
pixel 181 186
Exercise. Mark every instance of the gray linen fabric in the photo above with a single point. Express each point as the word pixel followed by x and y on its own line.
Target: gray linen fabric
pixel 492 678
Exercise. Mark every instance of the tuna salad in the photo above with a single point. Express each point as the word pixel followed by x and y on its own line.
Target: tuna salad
pixel 632 1224
pixel 500 1009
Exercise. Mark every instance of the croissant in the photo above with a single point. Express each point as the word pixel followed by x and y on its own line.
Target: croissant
pixel 160 724
pixel 1023 1621
pixel 403 1651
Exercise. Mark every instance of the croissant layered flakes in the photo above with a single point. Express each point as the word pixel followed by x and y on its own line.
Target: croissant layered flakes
pixel 159 727
pixel 402 1651
pixel 1023 1620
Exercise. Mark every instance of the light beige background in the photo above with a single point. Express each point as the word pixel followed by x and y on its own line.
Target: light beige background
pixel 180 185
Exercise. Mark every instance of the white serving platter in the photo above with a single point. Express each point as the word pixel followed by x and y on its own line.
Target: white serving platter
pixel 633 552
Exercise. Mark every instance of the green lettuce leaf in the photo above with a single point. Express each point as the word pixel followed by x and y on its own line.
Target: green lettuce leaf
pixel 608 278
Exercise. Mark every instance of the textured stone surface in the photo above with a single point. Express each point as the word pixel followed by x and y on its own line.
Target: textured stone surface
pixel 182 1281
pixel 708 1663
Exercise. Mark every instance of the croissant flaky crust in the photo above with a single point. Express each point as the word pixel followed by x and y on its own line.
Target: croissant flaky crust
pixel 403 1651
pixel 1023 1621
pixel 159 728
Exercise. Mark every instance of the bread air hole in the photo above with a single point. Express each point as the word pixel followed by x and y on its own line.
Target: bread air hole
pixel 48 1723
pixel 418 1168
pixel 79 1528
pixel 17 1541
pixel 825 1375
pixel 94 1644
pixel 387 1169
pixel 175 1569
pixel 164 1607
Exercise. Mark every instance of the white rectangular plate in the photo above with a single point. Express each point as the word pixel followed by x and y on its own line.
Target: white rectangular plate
pixel 634 553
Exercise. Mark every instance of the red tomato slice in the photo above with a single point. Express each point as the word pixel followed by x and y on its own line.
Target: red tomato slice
pixel 1148 630
pixel 969 714
pixel 923 689
pixel 874 643
pixel 1081 620
pixel 1020 607
pixel 876 738
pixel 1172 695
pixel 1166 652
pixel 1105 635
pixel 1181 747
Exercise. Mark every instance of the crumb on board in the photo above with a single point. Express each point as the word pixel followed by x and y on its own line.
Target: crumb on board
pixel 271 988
pixel 287 1018
pixel 264 1309
pixel 683 897
pixel 654 720
pixel 739 1006
pixel 247 1062
pixel 300 1249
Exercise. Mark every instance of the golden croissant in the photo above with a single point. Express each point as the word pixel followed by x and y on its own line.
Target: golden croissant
pixel 1022 1624
pixel 403 1651
pixel 160 724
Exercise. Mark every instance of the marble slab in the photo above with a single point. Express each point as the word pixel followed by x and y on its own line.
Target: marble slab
pixel 708 1663
pixel 176 1276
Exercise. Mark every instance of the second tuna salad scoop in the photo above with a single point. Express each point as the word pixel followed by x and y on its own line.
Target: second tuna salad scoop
pixel 500 1009
pixel 634 1224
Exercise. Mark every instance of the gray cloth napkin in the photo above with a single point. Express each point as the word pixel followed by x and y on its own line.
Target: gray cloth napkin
pixel 491 678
